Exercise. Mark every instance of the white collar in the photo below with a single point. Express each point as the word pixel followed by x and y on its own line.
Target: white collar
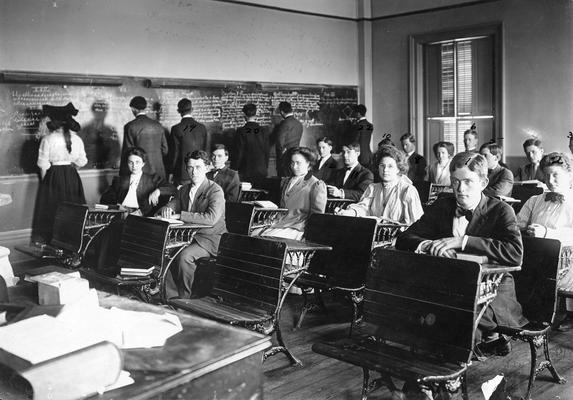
pixel 135 177
pixel 195 186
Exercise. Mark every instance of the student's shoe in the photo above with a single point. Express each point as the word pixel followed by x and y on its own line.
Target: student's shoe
pixel 295 290
pixel 499 347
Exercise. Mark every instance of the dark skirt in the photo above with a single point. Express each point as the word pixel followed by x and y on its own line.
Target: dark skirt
pixel 61 183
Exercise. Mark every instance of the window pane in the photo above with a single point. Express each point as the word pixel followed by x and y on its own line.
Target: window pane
pixel 448 79
pixel 464 66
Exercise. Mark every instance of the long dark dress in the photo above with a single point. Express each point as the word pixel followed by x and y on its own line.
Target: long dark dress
pixel 61 182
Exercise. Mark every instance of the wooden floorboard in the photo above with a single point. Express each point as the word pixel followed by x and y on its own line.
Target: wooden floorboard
pixel 325 379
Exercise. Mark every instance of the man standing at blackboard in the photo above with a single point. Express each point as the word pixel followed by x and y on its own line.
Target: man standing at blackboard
pixel 362 133
pixel 252 148
pixel 287 135
pixel 147 134
pixel 187 136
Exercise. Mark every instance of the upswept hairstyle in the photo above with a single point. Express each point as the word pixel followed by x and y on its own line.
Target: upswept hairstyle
pixel 557 158
pixel 447 145
pixel 136 151
pixel 494 149
pixel 397 155
pixel 307 153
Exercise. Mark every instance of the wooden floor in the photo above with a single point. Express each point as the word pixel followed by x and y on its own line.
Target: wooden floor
pixel 325 378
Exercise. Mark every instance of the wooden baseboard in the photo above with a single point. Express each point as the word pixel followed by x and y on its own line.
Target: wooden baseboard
pixel 18 235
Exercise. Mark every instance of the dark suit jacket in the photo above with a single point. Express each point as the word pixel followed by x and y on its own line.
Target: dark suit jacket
pixel 500 182
pixel 327 169
pixel 116 192
pixel 252 151
pixel 416 167
pixel 148 134
pixel 208 208
pixel 492 232
pixel 363 133
pixel 356 183
pixel 229 182
pixel 288 134
pixel 526 173
pixel 186 136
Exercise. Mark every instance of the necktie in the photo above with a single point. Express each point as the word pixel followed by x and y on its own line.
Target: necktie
pixel 554 197
pixel 346 174
pixel 191 197
pixel 460 212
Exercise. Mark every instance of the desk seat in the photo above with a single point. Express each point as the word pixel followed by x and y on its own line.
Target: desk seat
pixel 400 363
pixel 235 314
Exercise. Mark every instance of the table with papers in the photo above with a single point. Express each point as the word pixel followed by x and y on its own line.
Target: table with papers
pixel 204 359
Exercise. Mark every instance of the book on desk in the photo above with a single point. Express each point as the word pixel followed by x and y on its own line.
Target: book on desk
pixel 37 347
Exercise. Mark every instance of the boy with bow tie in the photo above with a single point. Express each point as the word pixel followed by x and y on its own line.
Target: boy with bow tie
pixel 474 223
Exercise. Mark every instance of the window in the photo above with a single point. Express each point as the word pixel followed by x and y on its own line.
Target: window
pixel 455 83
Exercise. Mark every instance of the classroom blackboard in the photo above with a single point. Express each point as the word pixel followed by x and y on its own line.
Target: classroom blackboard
pixel 103 106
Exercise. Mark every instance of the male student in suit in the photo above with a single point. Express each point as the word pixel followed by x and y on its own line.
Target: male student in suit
pixel 224 176
pixel 147 134
pixel 363 134
pixel 252 148
pixel 351 181
pixel 287 135
pixel 186 137
pixel 473 223
pixel 200 202
pixel 326 165
pixel 416 162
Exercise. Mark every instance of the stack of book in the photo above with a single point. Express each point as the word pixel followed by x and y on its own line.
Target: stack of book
pixel 246 186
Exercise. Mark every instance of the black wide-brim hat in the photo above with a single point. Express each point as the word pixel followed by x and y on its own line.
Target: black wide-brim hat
pixel 63 114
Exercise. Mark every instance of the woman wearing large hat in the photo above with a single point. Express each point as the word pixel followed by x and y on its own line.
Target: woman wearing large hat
pixel 60 153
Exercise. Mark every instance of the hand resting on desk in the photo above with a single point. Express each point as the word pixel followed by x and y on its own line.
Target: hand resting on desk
pixel 445 247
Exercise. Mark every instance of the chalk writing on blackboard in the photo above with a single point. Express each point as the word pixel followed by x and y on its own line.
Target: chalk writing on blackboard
pixel 104 110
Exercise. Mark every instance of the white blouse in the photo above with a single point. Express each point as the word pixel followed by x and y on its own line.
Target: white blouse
pixel 400 202
pixel 556 217
pixel 53 151
pixel 439 174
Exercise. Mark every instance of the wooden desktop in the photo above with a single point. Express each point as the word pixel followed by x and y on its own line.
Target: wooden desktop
pixel 206 360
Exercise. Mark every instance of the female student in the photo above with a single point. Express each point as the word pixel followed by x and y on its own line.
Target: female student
pixel 302 194
pixel 61 151
pixel 550 215
pixel 439 172
pixel 394 198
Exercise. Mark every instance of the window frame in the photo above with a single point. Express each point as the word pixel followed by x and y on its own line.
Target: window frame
pixel 417 117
